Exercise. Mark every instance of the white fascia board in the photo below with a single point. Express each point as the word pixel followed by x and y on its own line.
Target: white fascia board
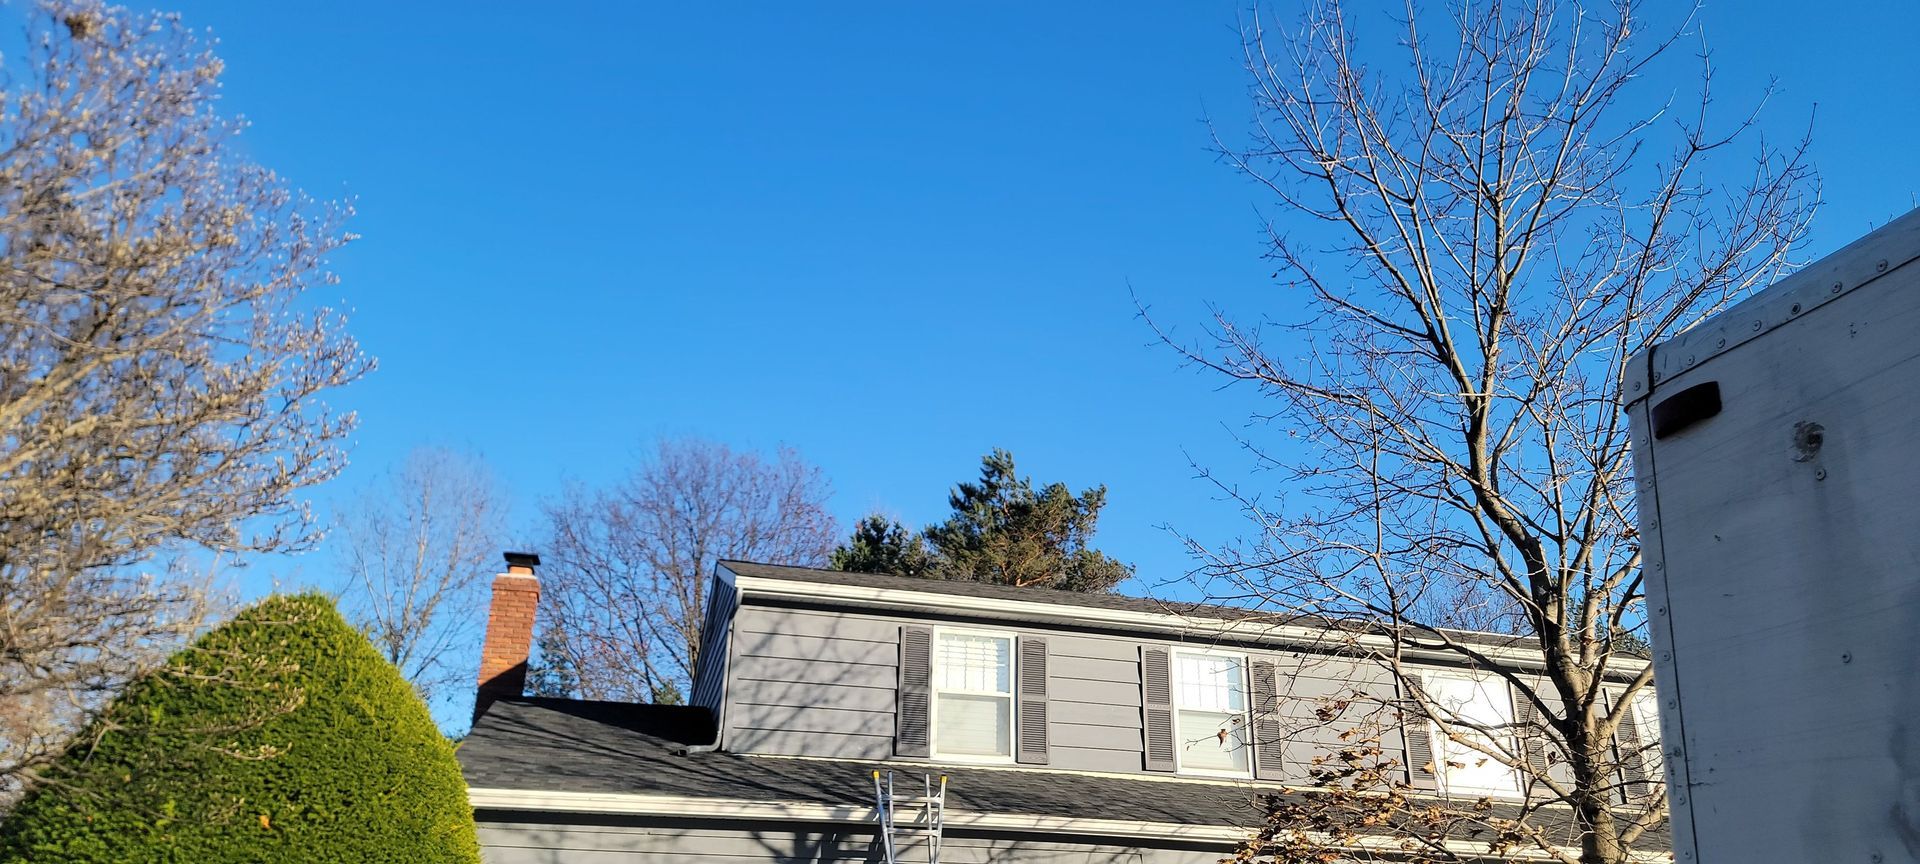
pixel 1168 623
pixel 798 811
pixel 687 807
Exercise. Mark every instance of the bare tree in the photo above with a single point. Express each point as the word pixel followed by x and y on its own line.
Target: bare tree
pixel 1483 226
pixel 160 370
pixel 416 546
pixel 627 567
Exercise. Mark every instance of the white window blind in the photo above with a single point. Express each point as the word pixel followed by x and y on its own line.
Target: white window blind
pixel 1473 702
pixel 1210 704
pixel 973 694
pixel 1647 712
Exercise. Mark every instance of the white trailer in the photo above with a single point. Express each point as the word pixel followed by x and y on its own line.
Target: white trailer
pixel 1777 458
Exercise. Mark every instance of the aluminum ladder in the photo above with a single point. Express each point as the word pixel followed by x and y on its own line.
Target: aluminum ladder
pixel 928 822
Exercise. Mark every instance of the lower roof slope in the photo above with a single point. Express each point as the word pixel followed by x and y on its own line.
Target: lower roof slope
pixel 562 745
pixel 559 745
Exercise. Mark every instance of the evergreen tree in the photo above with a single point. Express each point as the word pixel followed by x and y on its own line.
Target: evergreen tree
pixel 281 736
pixel 551 673
pixel 1002 531
pixel 882 545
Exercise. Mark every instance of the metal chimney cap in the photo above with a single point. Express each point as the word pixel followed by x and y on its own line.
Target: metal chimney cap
pixel 528 560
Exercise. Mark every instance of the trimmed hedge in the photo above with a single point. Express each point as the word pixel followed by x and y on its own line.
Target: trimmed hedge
pixel 281 736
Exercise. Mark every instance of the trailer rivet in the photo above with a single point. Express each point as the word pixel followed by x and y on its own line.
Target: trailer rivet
pixel 1796 309
pixel 1722 343
pixel 1876 858
pixel 1636 386
pixel 1659 610
pixel 1881 267
pixel 1666 656
pixel 1819 473
pixel 1846 656
pixel 1756 326
pixel 1836 287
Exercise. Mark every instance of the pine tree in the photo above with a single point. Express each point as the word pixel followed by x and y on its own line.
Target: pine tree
pixel 882 545
pixel 1002 531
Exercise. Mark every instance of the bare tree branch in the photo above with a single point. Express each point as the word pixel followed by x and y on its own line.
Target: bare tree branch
pixel 416 546
pixel 1482 235
pixel 627 567
pixel 161 369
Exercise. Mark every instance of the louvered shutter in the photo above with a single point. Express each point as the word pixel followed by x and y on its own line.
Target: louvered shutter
pixel 1031 735
pixel 1531 734
pixel 1628 742
pixel 910 731
pixel 1421 763
pixel 1269 755
pixel 1156 705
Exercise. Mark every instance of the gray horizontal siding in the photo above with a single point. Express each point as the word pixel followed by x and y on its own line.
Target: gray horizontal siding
pixel 788 622
pixel 1097 692
pixel 716 631
pixel 795 743
pixel 1064 713
pixel 536 843
pixel 812 684
pixel 761 668
pixel 809 682
pixel 1093 704
pixel 817 649
pixel 800 693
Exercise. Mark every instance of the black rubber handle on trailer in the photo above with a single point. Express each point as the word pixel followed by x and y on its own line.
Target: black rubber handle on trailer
pixel 1685 408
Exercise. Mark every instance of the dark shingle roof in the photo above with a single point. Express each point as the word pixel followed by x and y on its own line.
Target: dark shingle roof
pixel 566 746
pixel 1119 602
pixel 559 745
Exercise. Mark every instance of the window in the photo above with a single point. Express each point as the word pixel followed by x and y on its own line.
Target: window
pixel 972 694
pixel 1646 713
pixel 1210 704
pixel 1472 702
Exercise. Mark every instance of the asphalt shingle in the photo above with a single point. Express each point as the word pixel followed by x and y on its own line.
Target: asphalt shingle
pixel 563 745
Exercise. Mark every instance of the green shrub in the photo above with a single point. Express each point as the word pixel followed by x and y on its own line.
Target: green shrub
pixel 281 736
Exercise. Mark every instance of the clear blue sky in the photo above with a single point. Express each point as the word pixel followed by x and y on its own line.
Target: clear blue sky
pixel 892 235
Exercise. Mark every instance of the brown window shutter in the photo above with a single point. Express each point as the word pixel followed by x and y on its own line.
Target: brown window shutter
pixel 1530 732
pixel 1413 728
pixel 1156 705
pixel 1269 752
pixel 910 731
pixel 1630 744
pixel 1031 712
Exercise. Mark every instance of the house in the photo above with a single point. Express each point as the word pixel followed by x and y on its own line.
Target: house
pixel 1069 727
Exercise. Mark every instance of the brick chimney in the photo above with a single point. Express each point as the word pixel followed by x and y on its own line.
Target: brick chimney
pixel 503 658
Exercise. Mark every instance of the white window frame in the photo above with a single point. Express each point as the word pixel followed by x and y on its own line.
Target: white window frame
pixel 1012 696
pixel 1443 745
pixel 1645 706
pixel 1246 716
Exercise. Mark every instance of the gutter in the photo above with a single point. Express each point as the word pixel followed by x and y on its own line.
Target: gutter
pixel 691 807
pixel 724 578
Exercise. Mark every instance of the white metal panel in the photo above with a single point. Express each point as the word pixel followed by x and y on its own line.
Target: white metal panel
pixel 1783 564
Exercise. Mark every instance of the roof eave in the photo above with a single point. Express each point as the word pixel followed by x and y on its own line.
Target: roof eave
pixel 1162 623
